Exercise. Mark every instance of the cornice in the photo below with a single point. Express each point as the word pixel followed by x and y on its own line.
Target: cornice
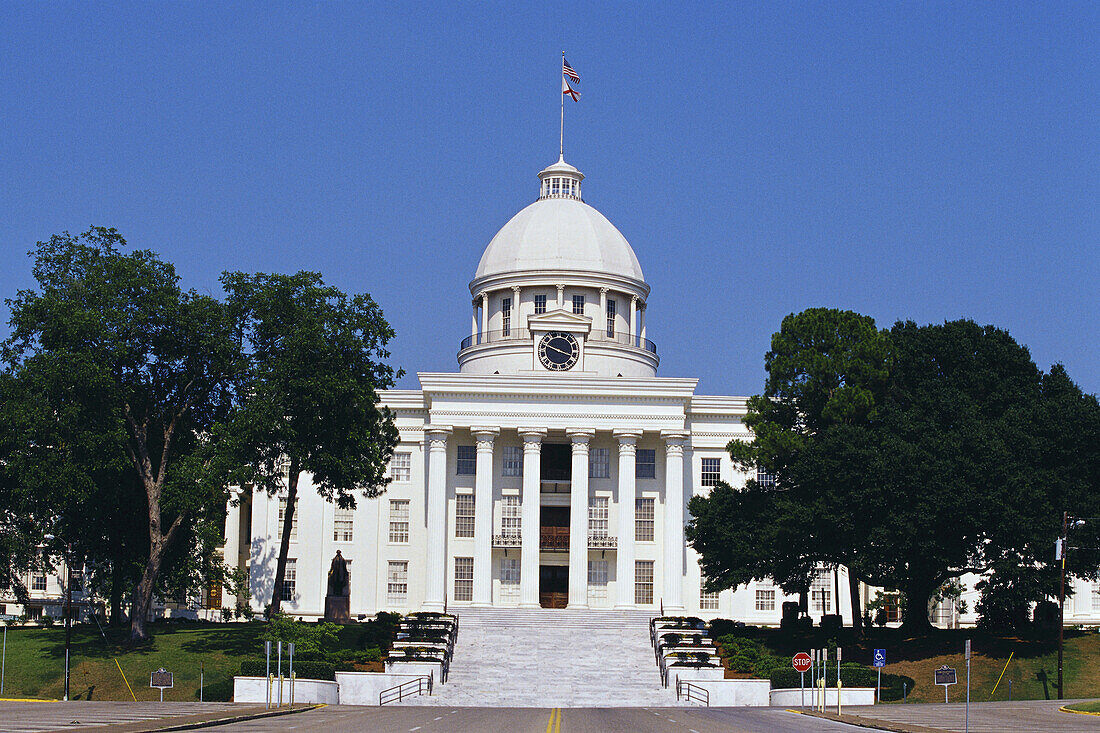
pixel 557 385
pixel 553 278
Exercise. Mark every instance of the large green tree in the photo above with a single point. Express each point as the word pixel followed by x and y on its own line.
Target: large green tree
pixel 110 364
pixel 826 371
pixel 317 361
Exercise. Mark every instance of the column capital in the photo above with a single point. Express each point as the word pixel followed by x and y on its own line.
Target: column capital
pixel 580 435
pixel 560 287
pixel 515 288
pixel 483 294
pixel 627 435
pixel 532 436
pixel 675 437
pixel 634 299
pixel 484 437
pixel 603 291
pixel 436 434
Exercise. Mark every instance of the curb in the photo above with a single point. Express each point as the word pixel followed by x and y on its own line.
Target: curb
pixel 167 724
pixel 1068 709
pixel 872 723
pixel 27 699
pixel 239 718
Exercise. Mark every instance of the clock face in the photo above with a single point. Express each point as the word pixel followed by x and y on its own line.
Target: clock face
pixel 559 351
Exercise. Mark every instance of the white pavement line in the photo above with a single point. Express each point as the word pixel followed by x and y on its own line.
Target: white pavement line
pixel 439 717
pixel 692 730
pixel 412 729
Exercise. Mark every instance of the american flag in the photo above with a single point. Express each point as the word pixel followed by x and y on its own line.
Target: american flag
pixel 568 71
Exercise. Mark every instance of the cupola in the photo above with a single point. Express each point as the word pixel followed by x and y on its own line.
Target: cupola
pixel 560 181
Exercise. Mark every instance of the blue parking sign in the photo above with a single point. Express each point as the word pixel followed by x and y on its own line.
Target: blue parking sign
pixel 880 658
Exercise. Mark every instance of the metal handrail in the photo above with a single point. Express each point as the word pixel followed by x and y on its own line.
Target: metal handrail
pixel 523 334
pixel 692 692
pixel 398 693
pixel 507 540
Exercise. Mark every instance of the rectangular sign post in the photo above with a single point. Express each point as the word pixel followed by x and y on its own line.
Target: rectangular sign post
pixel 838 684
pixel 968 686
pixel 946 676
pixel 161 679
pixel 279 664
pixel 880 662
pixel 267 675
pixel 291 646
pixel 824 676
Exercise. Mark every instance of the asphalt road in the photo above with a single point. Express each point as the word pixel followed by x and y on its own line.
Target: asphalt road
pixel 345 719
pixel 985 717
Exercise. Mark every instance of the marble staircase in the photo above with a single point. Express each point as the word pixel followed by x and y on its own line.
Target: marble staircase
pixel 551 658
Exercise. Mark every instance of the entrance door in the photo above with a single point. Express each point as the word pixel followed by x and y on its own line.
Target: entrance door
pixel 553 586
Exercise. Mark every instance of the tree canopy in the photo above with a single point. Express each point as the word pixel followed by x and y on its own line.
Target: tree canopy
pixel 913 457
pixel 316 362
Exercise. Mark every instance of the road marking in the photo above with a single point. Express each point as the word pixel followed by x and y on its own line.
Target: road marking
pixel 439 717
pixel 412 729
pixel 692 730
pixel 554 724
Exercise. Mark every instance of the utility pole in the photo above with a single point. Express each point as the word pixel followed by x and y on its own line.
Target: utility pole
pixel 68 613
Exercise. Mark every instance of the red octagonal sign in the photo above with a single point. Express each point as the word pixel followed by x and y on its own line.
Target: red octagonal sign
pixel 801 662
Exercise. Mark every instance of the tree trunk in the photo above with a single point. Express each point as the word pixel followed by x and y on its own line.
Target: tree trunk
pixel 143 591
pixel 284 542
pixel 914 615
pixel 857 607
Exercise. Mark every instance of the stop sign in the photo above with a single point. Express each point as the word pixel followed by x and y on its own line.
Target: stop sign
pixel 801 662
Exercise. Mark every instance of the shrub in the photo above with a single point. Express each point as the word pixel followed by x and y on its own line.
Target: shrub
pixel 742 663
pixel 302 670
pixel 46 620
pixel 670 639
pixel 851 675
pixel 724 626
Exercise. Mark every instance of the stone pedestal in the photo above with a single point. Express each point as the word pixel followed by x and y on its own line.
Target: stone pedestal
pixel 337 609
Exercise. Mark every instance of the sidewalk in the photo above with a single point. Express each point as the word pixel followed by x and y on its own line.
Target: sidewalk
pixel 128 717
pixel 985 717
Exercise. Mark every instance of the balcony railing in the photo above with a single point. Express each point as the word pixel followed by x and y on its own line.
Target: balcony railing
pixel 506 540
pixel 523 334
pixel 554 538
pixel 602 542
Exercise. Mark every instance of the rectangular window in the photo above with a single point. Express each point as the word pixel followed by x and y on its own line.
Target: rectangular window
pixel 397 583
pixel 342 522
pixel 399 520
pixel 509 576
pixel 597 516
pixel 611 319
pixel 820 593
pixel 599 463
pixel 513 461
pixel 506 316
pixel 765 600
pixel 510 516
pixel 643 520
pixel 290 579
pixel 645 465
pixel 643 581
pixel 540 304
pixel 1096 597
pixel 401 467
pixel 708 601
pixel 464 515
pixel 293 522
pixel 712 471
pixel 764 479
pixel 578 305
pixel 597 579
pixel 467 460
pixel 464 578
pixel 38 582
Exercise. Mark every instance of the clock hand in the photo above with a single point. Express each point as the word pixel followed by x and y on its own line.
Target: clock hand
pixel 555 348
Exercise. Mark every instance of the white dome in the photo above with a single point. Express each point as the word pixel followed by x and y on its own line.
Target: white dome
pixel 559 234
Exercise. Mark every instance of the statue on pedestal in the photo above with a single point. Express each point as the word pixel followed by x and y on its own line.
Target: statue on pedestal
pixel 337 599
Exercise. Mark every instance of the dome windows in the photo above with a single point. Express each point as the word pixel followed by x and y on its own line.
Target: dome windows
pixel 561 187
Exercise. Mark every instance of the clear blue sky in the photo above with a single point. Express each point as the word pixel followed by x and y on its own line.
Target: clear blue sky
pixel 924 161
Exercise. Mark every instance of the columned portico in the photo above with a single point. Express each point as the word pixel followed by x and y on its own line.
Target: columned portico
pixel 529 517
pixel 483 516
pixel 674 520
pixel 435 566
pixel 624 560
pixel 578 519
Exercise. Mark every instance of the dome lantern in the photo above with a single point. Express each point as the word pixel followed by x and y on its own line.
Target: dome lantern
pixel 560 181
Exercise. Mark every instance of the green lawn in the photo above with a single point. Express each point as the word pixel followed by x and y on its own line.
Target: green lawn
pixel 1033 670
pixel 36 658
pixel 1086 707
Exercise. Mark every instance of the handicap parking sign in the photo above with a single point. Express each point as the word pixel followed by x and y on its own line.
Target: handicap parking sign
pixel 880 657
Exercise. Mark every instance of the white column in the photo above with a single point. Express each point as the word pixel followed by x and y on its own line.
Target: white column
pixel 561 297
pixel 483 516
pixel 644 309
pixel 624 560
pixel 578 519
pixel 673 570
pixel 530 532
pixel 435 570
pixel 632 328
pixel 517 321
pixel 473 326
pixel 484 316
pixel 601 331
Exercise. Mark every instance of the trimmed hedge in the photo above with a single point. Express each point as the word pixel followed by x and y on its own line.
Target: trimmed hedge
pixel 302 670
pixel 851 675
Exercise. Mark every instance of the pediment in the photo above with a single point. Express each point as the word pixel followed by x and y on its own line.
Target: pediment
pixel 559 320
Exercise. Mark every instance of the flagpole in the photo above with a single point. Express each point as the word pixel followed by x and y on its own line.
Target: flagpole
pixel 561 132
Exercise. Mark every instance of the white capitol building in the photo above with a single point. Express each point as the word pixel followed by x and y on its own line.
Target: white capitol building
pixel 554 469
